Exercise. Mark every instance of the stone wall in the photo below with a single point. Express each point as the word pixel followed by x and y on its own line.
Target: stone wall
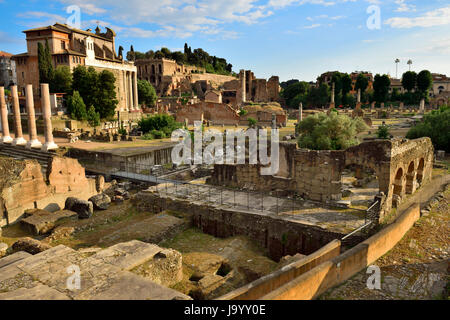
pixel 217 113
pixel 313 283
pixel 30 189
pixel 280 237
pixel 400 166
pixel 272 281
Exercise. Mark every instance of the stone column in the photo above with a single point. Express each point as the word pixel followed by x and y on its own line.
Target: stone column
pixel 18 140
pixel 47 113
pixel 243 86
pixel 130 92
pixel 136 97
pixel 422 106
pixel 4 117
pixel 300 112
pixel 359 96
pixel 32 132
pixel 332 104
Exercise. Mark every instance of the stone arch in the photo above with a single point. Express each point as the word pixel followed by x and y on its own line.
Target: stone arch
pixel 410 179
pixel 397 188
pixel 420 168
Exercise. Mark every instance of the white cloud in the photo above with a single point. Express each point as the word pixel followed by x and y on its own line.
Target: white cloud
pixel 313 26
pixel 438 17
pixel 404 7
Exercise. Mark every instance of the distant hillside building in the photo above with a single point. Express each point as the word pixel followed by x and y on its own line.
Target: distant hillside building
pixel 165 75
pixel 8 74
pixel 73 47
pixel 441 83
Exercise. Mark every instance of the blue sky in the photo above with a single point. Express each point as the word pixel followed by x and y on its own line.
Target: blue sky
pixel 290 38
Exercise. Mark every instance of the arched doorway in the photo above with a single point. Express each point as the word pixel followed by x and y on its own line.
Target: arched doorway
pixel 398 188
pixel 410 179
pixel 419 175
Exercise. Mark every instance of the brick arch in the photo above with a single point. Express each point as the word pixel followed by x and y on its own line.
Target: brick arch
pixel 420 169
pixel 410 178
pixel 397 187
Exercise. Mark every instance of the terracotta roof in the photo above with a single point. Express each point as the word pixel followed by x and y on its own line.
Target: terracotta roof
pixel 5 54
pixel 67 29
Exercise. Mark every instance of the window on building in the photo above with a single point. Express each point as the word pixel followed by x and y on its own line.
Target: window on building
pixel 73 59
pixel 63 45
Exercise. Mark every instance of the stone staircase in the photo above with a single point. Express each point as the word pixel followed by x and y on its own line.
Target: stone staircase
pixel 21 153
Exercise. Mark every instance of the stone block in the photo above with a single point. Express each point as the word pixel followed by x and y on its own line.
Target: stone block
pixel 40 221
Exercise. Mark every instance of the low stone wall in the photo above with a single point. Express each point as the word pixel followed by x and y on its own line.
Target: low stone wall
pixel 269 283
pixel 280 237
pixel 329 274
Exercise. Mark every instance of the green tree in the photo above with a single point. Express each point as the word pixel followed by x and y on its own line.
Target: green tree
pixel 320 96
pixel 409 80
pixel 361 83
pixel 85 81
pixel 76 107
pixel 147 94
pixel 251 122
pixel 383 132
pixel 93 117
pixel 295 93
pixel 333 132
pixel 424 82
pixel 381 86
pixel 435 125
pixel 45 64
pixel 105 97
pixel 346 84
pixel 62 80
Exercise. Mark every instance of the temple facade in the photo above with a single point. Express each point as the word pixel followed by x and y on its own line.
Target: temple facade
pixel 73 47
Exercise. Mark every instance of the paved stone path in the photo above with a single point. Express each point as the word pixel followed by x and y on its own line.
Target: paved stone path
pixel 104 275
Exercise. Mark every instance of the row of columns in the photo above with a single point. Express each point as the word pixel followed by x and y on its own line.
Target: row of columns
pixel 19 140
pixel 131 90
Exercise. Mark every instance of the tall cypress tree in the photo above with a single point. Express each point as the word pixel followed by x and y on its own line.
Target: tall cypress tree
pixel 48 58
pixel 42 64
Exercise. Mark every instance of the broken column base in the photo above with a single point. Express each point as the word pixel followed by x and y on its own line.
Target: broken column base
pixel 34 144
pixel 6 139
pixel 49 146
pixel 19 142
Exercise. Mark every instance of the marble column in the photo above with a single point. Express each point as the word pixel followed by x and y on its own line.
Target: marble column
pixel 422 106
pixel 47 113
pixel 136 97
pixel 332 104
pixel 130 92
pixel 243 86
pixel 18 140
pixel 300 112
pixel 33 142
pixel 6 138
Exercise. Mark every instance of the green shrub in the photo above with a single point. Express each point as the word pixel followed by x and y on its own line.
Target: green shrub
pixel 383 132
pixel 93 117
pixel 333 132
pixel 148 136
pixel 436 126
pixel 252 122
pixel 76 107
pixel 242 112
pixel 159 122
pixel 158 134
